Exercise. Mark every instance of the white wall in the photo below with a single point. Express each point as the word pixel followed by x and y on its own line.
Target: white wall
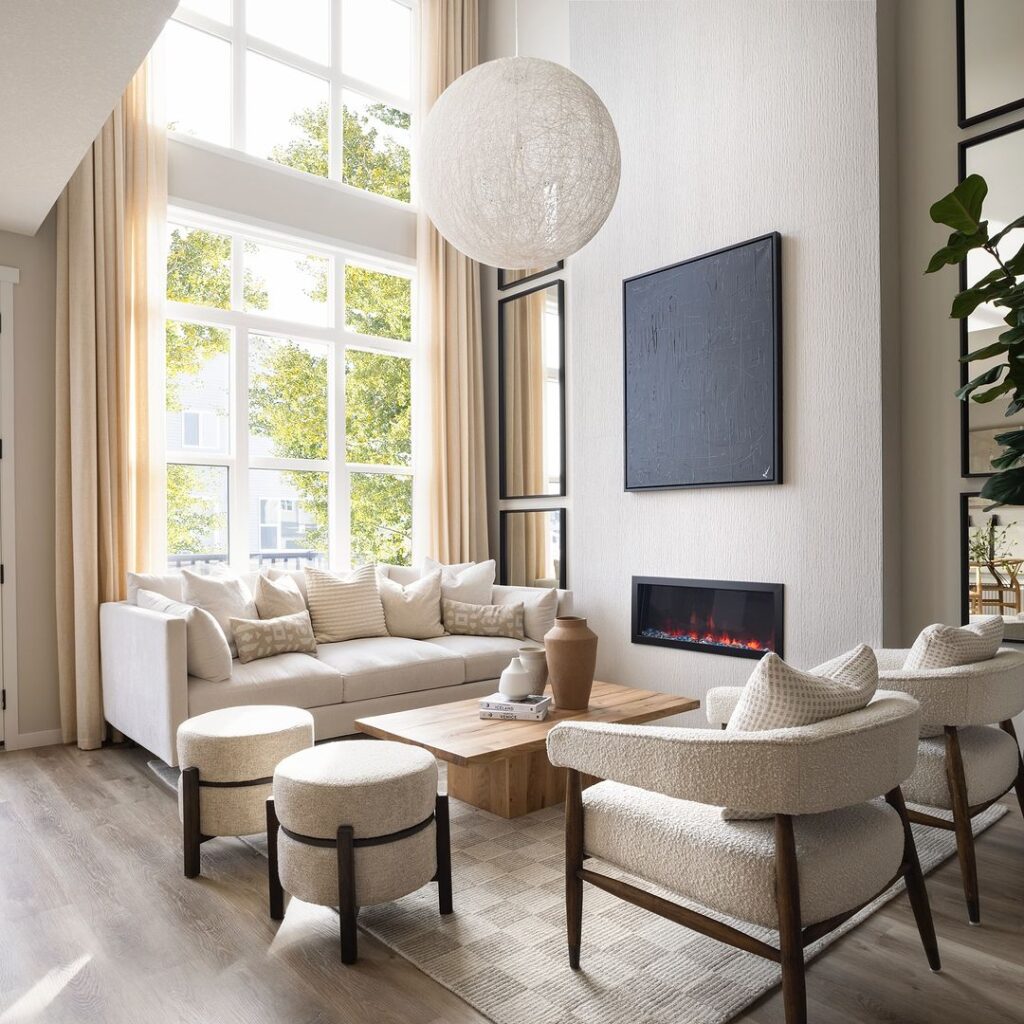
pixel 738 118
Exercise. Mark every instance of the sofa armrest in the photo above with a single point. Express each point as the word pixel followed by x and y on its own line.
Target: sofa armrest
pixel 145 675
pixel 720 703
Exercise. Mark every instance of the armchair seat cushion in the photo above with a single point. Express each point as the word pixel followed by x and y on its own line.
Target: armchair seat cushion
pixel 845 857
pixel 990 759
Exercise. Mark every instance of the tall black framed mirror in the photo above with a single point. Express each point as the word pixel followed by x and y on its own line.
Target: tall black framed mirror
pixel 989 68
pixel 509 278
pixel 532 548
pixel 992 564
pixel 531 392
pixel 998 157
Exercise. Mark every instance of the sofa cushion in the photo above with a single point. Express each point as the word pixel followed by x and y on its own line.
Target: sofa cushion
pixel 844 857
pixel 297 680
pixel 468 582
pixel 385 665
pixel 166 584
pixel 205 647
pixel 485 657
pixel 344 606
pixel 224 597
pixel 277 597
pixel 539 606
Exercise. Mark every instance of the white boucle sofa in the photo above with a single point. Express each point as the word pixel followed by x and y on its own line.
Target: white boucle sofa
pixel 148 693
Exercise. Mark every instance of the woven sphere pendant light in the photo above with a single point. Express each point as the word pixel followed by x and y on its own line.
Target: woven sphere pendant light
pixel 519 163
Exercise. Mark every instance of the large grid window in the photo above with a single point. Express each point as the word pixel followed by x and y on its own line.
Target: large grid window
pixel 323 86
pixel 288 417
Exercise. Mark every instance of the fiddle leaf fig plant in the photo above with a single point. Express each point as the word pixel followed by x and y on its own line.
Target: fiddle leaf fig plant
pixel 1002 287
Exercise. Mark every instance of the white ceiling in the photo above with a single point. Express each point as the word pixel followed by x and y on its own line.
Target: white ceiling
pixel 63 64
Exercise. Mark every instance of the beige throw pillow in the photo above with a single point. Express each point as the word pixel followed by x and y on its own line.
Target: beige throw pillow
pixel 539 606
pixel 206 649
pixel 345 606
pixel 468 582
pixel 263 638
pixel 939 646
pixel 412 611
pixel 224 597
pixel 483 619
pixel 277 597
pixel 165 584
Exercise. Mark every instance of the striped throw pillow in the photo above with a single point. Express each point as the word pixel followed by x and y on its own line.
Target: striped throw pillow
pixel 344 606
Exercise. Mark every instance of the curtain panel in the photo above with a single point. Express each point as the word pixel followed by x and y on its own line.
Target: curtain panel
pixel 452 500
pixel 109 293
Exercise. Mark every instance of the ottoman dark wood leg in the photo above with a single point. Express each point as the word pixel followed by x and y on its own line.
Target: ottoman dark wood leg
pixel 347 893
pixel 191 837
pixel 444 855
pixel 273 876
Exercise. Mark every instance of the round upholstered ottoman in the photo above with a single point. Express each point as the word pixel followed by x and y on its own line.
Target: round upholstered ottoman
pixel 356 823
pixel 227 760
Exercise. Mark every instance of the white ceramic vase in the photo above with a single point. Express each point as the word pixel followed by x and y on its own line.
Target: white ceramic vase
pixel 535 661
pixel 516 682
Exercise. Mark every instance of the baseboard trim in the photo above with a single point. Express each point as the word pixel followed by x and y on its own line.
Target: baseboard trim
pixel 25 740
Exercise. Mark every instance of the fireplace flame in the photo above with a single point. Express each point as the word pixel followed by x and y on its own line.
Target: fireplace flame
pixel 707 634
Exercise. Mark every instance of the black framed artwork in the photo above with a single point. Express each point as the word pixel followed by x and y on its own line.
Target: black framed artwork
pixel 510 278
pixel 989 68
pixel 703 370
pixel 997 156
pixel 532 548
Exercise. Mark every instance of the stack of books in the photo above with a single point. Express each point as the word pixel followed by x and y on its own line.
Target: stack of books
pixel 530 709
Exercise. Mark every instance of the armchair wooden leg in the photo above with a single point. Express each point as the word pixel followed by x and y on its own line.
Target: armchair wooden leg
pixel 1007 727
pixel 787 901
pixel 444 855
pixel 276 893
pixel 347 893
pixel 914 878
pixel 962 823
pixel 573 865
pixel 191 836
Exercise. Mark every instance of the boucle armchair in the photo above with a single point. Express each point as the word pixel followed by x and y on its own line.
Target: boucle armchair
pixel 968 755
pixel 822 848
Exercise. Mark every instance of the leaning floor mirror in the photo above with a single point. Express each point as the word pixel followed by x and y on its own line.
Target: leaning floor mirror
pixel 533 548
pixel 992 559
pixel 531 395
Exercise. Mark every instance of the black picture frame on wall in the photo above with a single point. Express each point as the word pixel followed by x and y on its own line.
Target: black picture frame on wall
pixel 702 370
pixel 503 574
pixel 965 120
pixel 503 490
pixel 965 368
pixel 504 283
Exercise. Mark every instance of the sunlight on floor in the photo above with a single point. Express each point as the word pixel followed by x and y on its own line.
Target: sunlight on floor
pixel 31 1005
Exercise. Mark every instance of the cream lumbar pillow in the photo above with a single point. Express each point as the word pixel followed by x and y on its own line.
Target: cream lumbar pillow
pixel 483 619
pixel 224 597
pixel 939 646
pixel 277 597
pixel 468 582
pixel 345 606
pixel 540 607
pixel 263 638
pixel 412 611
pixel 162 583
pixel 206 649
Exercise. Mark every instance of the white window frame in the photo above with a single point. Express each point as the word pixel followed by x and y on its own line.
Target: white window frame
pixel 241 42
pixel 339 340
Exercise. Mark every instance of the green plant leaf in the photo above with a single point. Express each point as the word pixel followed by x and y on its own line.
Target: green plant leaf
pixel 961 209
pixel 988 377
pixel 957 248
pixel 998 236
pixel 985 353
pixel 993 393
pixel 1006 488
pixel 1007 460
pixel 1014 336
pixel 1011 439
pixel 971 298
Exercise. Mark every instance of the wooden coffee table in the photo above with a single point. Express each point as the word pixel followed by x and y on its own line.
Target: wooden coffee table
pixel 502 766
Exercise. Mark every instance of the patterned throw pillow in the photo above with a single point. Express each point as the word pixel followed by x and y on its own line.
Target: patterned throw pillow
pixel 344 607
pixel 276 597
pixel 941 646
pixel 261 638
pixel 483 619
pixel 778 696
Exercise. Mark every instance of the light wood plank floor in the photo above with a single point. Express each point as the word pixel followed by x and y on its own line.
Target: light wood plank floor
pixel 98 924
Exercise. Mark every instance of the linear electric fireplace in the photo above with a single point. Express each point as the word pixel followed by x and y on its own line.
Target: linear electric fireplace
pixel 713 616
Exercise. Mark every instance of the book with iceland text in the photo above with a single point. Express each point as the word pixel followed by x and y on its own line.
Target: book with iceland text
pixel 515 705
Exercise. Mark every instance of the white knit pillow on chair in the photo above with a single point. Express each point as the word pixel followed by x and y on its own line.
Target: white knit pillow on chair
pixel 939 646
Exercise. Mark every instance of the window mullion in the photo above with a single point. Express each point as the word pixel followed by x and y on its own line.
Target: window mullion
pixel 239 472
pixel 340 489
pixel 238 98
pixel 334 140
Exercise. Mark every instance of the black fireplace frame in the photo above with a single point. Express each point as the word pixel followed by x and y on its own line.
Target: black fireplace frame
pixel 776 589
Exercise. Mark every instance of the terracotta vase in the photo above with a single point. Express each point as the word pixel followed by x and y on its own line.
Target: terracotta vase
pixel 572 655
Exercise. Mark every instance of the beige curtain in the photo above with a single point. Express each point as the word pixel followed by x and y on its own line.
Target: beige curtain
pixel 109 256
pixel 454 489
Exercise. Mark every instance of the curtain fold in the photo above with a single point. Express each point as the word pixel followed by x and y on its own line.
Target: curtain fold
pixel 452 500
pixel 109 295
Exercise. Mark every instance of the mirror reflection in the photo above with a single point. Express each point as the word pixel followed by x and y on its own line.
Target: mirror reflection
pixel 998 160
pixel 992 75
pixel 533 548
pixel 531 347
pixel 992 577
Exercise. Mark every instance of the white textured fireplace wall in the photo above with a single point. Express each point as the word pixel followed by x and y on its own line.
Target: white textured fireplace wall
pixel 738 118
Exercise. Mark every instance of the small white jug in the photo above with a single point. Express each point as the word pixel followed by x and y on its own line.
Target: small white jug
pixel 516 682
